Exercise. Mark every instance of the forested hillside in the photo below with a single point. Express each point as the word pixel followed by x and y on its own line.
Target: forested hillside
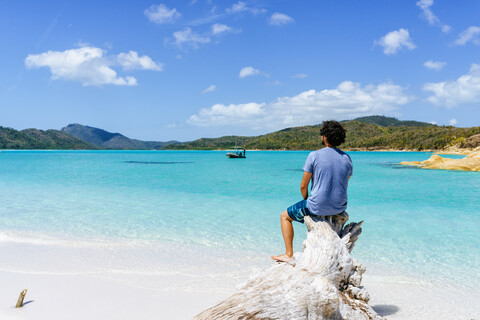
pixel 39 139
pixel 108 140
pixel 367 133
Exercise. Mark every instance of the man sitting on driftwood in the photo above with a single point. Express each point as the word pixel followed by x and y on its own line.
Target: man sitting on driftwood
pixel 329 169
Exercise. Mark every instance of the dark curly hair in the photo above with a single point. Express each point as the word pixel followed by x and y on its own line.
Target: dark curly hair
pixel 334 132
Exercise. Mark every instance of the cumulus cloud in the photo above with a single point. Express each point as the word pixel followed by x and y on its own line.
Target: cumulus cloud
pixel 425 6
pixel 471 34
pixel 248 71
pixel 131 61
pixel 435 65
pixel 90 65
pixel 219 28
pixel 464 90
pixel 220 114
pixel 161 14
pixel 241 6
pixel 395 40
pixel 238 7
pixel 280 19
pixel 190 38
pixel 210 89
pixel 430 16
pixel 347 100
pixel 453 122
pixel 300 76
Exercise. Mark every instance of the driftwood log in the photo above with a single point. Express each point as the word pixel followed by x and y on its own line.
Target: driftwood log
pixel 323 282
pixel 20 299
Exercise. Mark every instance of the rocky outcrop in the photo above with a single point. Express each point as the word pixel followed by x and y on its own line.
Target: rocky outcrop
pixel 323 282
pixel 470 163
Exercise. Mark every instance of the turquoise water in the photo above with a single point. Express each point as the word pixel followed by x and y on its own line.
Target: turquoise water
pixel 421 222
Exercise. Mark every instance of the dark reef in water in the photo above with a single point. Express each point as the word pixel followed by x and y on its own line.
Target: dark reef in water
pixel 158 162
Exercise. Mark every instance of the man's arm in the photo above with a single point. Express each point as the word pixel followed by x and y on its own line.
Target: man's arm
pixel 307 176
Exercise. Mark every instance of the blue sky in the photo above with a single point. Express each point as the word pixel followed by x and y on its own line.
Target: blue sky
pixel 204 68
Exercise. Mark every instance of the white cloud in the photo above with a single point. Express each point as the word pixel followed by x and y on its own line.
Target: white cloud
pixel 395 40
pixel 300 76
pixel 257 10
pixel 131 61
pixel 238 7
pixel 280 19
pixel 453 122
pixel 248 71
pixel 210 89
pixel 188 37
pixel 433 122
pixel 430 16
pixel 274 83
pixel 241 6
pixel 464 90
pixel 435 65
pixel 425 6
pixel 220 115
pixel 219 28
pixel 471 34
pixel 90 65
pixel 347 100
pixel 161 14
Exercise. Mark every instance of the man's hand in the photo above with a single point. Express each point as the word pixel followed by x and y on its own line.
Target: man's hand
pixel 307 176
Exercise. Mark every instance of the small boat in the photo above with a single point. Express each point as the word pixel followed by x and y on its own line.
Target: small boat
pixel 236 153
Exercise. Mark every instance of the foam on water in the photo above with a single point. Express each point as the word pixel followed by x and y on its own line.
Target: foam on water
pixel 132 205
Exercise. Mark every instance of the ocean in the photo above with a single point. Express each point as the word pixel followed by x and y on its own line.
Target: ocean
pixel 151 210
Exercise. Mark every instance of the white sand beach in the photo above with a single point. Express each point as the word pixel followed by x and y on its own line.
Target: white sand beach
pixel 73 283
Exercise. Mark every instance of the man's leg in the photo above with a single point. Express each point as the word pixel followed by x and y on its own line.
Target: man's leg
pixel 287 232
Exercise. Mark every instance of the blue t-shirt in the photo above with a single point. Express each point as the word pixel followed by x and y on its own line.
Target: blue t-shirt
pixel 330 168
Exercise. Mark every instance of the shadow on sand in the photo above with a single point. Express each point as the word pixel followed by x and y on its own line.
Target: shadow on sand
pixel 385 309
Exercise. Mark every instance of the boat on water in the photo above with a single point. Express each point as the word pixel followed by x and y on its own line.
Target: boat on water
pixel 236 153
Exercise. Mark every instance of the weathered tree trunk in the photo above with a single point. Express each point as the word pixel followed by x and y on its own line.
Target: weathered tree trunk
pixel 20 299
pixel 323 282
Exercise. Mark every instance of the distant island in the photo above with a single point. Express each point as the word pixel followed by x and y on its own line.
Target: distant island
pixel 40 139
pixel 107 140
pixel 365 133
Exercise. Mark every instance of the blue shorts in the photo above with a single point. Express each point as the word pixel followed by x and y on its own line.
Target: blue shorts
pixel 298 211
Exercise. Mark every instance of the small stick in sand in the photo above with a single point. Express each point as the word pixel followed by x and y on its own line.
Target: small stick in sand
pixel 20 298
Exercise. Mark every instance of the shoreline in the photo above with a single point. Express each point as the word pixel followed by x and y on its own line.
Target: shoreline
pixel 93 283
pixel 451 151
pixel 51 297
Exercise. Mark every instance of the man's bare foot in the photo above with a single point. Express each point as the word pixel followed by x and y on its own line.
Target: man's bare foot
pixel 283 258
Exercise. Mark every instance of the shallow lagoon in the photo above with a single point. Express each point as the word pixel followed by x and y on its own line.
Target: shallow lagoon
pixel 422 223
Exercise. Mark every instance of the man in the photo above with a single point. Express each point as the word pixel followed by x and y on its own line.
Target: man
pixel 329 169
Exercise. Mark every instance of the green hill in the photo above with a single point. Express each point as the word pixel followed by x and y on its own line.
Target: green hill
pixel 39 139
pixel 391 122
pixel 225 142
pixel 108 140
pixel 367 133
